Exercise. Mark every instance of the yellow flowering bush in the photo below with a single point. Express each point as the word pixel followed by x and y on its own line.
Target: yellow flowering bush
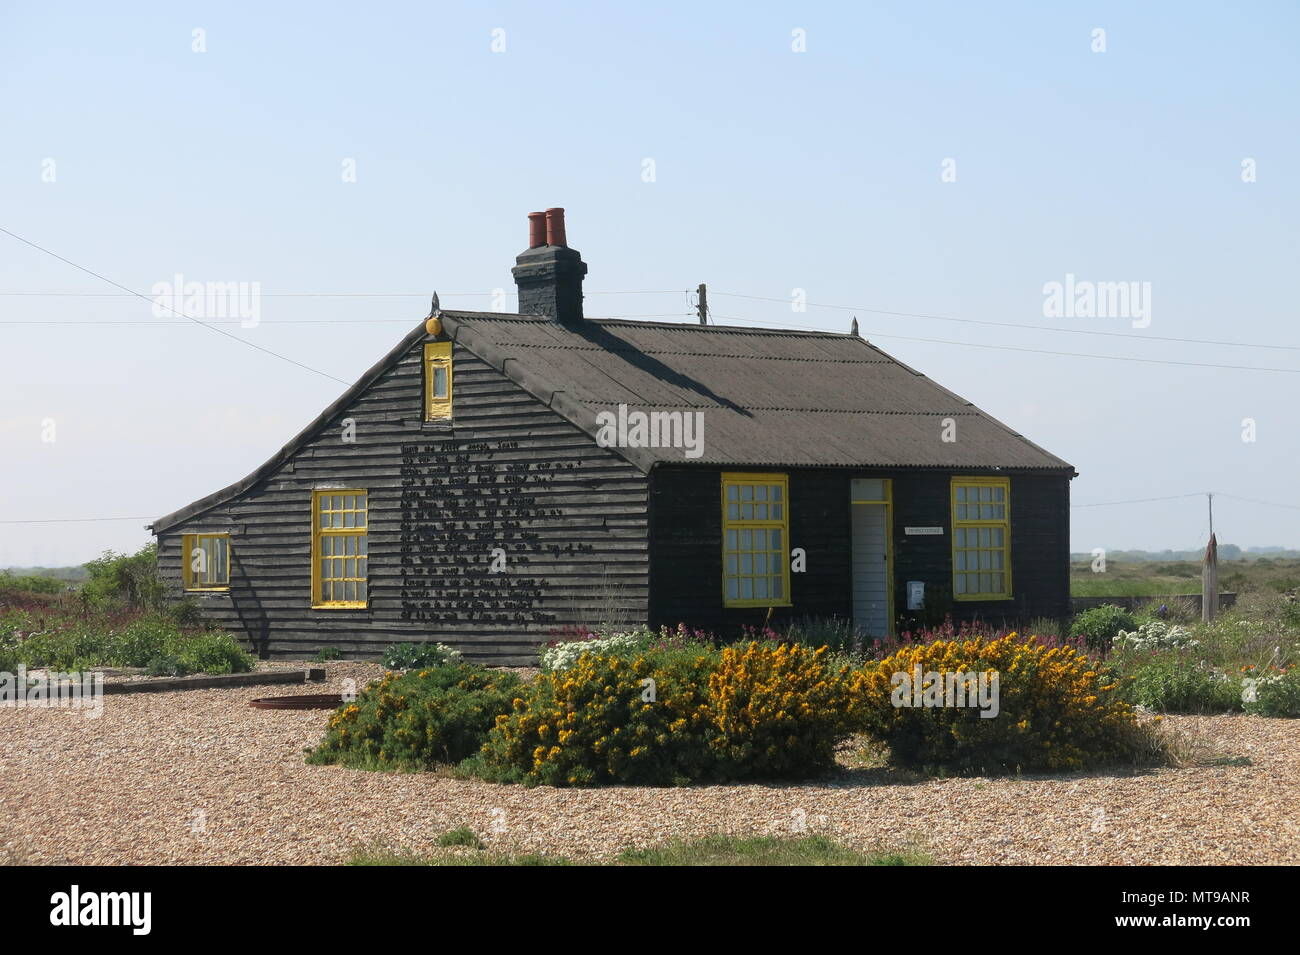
pixel 673 717
pixel 1050 708
pixel 418 719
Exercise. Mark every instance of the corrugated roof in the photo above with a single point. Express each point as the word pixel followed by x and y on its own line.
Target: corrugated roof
pixel 779 398
pixel 768 397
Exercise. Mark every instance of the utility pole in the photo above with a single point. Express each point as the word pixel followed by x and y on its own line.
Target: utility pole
pixel 702 305
pixel 1210 570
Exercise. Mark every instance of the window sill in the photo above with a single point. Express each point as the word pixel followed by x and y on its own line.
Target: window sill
pixel 340 606
pixel 973 598
pixel 436 424
pixel 751 604
pixel 207 590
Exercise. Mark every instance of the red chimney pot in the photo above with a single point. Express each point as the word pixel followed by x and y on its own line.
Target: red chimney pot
pixel 536 229
pixel 555 227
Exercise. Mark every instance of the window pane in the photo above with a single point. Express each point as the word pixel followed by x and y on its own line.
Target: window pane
pixel 731 588
pixel 760 587
pixel 777 588
pixel 746 588
pixel 776 539
pixel 747 492
pixel 760 492
pixel 777 512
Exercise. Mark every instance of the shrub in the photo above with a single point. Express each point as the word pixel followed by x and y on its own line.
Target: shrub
pixel 1276 693
pixel 419 656
pixel 212 653
pixel 1100 625
pixel 166 666
pixel 595 722
pixel 462 836
pixel 1155 635
pixel 129 579
pixel 561 655
pixel 1173 683
pixel 89 643
pixel 415 720
pixel 837 633
pixel 326 654
pixel 779 711
pixel 1055 710
pixel 760 711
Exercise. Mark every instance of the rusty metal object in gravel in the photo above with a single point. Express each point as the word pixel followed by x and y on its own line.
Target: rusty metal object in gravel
pixel 309 701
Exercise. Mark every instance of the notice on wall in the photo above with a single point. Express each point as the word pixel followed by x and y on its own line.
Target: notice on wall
pixel 923 531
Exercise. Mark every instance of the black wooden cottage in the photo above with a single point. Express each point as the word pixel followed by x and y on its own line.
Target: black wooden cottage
pixel 496 479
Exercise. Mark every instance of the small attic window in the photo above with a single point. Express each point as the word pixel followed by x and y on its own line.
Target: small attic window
pixel 437 381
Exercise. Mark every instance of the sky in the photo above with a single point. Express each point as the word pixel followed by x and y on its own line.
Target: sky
pixel 928 167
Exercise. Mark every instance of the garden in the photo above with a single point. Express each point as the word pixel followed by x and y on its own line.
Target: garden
pixel 119 617
pixel 678 707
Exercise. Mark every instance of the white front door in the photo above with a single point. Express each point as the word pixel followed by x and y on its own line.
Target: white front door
pixel 871 570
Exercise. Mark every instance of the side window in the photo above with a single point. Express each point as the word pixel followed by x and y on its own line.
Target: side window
pixel 206 563
pixel 437 380
pixel 340 548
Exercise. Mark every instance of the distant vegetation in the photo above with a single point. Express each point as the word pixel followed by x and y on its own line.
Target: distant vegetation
pixel 1124 578
pixel 120 616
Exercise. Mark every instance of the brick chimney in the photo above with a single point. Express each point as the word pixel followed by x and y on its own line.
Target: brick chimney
pixel 549 273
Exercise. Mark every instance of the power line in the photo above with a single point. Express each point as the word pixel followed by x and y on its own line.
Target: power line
pixel 234 338
pixel 294 321
pixel 421 295
pixel 1035 351
pixel 1140 500
pixel 1036 328
pixel 76 520
pixel 1070 354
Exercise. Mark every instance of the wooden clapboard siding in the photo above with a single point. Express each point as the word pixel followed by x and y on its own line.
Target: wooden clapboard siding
pixel 509 473
pixel 686 546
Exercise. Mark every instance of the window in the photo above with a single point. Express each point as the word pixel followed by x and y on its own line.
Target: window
pixel 755 531
pixel 437 380
pixel 339 551
pixel 206 561
pixel 981 538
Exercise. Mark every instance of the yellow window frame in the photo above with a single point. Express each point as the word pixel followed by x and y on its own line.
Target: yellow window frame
pixel 331 544
pixel 437 356
pixel 969 524
pixel 778 551
pixel 192 542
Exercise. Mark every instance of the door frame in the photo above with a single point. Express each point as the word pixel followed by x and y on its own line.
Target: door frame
pixel 888 503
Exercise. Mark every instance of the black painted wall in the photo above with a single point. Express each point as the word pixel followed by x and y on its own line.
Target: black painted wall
pixel 686 547
pixel 508 473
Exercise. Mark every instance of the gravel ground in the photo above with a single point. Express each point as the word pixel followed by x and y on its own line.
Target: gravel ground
pixel 201 777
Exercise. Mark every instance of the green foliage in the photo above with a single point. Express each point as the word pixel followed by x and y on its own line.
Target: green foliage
pixel 166 666
pixel 1055 708
pixel 461 836
pixel 1276 694
pixel 765 851
pixel 674 716
pixel 131 580
pixel 30 584
pixel 1173 682
pixel 389 858
pixel 837 633
pixel 416 720
pixel 211 652
pixel 1099 625
pixel 419 656
pixel 96 643
pixel 326 654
